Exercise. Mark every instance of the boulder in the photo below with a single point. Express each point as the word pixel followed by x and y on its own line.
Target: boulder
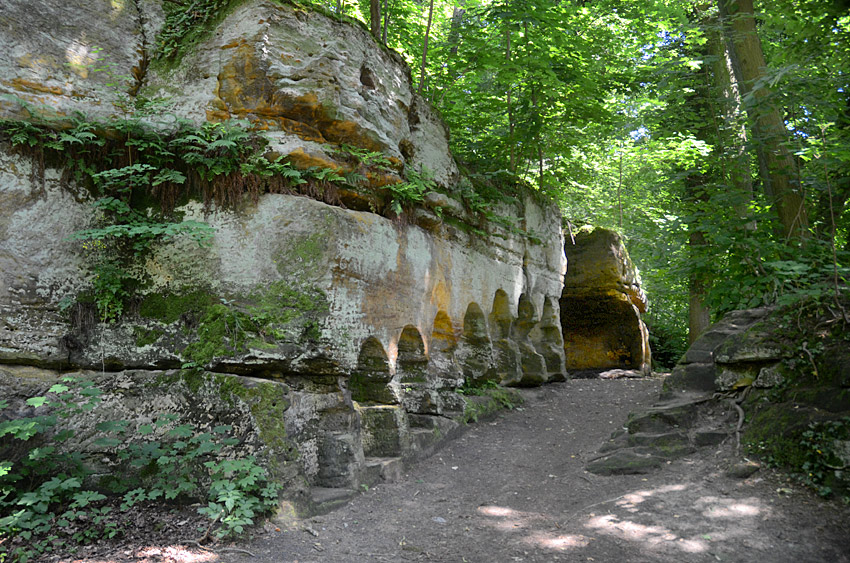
pixel 601 305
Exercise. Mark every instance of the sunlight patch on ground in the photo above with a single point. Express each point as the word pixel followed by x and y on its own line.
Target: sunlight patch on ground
pixel 499 511
pixel 509 520
pixel 179 554
pixel 557 542
pixel 651 536
pixel 715 507
pixel 631 500
pixel 167 554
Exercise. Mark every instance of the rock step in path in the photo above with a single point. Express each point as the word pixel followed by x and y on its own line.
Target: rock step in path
pixel 686 415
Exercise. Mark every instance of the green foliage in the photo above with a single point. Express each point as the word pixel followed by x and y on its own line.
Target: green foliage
pixel 816 453
pixel 498 398
pixel 41 486
pixel 410 192
pixel 365 158
pixel 824 469
pixel 45 502
pixel 187 21
pixel 239 491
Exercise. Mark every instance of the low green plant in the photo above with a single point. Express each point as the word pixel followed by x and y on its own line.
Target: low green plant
pixel 45 503
pixel 824 469
pixel 41 486
pixel 411 191
pixel 364 157
pixel 499 398
pixel 184 23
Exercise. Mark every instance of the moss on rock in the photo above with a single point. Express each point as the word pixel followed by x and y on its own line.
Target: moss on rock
pixel 168 308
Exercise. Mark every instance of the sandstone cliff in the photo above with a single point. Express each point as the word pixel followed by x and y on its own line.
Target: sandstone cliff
pixel 332 336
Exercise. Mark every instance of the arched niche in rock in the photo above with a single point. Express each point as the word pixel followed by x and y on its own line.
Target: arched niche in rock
pixel 475 325
pixel 443 344
pixel 418 392
pixel 547 339
pixel 411 362
pixel 443 338
pixel 474 352
pixel 500 316
pixel 370 378
pixel 526 317
pixel 506 354
pixel 532 363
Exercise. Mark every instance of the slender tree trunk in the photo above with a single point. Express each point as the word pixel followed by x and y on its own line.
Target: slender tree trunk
pixel 425 46
pixel 536 117
pixel 619 191
pixel 454 30
pixel 375 18
pixel 776 166
pixel 705 86
pixel 699 315
pixel 388 8
pixel 840 176
pixel 509 101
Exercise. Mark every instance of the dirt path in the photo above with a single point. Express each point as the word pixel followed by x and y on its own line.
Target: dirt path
pixel 514 489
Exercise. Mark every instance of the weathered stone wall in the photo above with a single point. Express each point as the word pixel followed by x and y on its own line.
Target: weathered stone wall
pixel 352 329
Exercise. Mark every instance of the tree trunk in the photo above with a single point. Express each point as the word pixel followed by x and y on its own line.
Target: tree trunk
pixel 699 315
pixel 387 10
pixel 375 18
pixel 776 166
pixel 705 86
pixel 727 111
pixel 425 46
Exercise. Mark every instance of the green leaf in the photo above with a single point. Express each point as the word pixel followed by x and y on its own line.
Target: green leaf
pixel 182 431
pixel 37 401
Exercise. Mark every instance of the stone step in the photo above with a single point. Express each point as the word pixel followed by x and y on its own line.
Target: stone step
pixel 661 419
pixel 387 469
pixel 709 437
pixel 698 376
pixel 424 441
pixel 327 499
pixel 658 440
pixel 626 461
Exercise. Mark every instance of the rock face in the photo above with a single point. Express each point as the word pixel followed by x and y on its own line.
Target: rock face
pixel 313 83
pixel 333 340
pixel 601 306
